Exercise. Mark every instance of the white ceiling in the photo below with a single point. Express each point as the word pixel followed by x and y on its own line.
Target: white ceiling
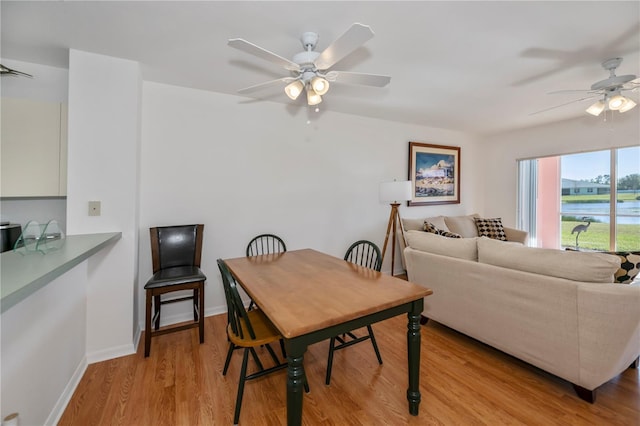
pixel 479 67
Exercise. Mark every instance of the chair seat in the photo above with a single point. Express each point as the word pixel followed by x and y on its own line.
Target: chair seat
pixel 263 329
pixel 175 276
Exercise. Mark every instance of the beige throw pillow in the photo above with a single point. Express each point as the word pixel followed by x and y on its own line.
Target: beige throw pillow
pixel 491 228
pixel 461 248
pixel 463 225
pixel 570 265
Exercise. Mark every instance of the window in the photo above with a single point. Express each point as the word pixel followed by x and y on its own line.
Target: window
pixel 588 201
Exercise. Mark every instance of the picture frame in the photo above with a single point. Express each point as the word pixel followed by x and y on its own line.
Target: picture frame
pixel 434 172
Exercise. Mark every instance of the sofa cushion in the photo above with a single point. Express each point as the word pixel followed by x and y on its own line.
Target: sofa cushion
pixel 491 228
pixel 629 266
pixel 418 224
pixel 570 265
pixel 463 225
pixel 430 227
pixel 462 248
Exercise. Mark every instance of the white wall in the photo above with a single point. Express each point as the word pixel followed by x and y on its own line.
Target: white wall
pixel 586 133
pixel 43 349
pixel 104 116
pixel 243 168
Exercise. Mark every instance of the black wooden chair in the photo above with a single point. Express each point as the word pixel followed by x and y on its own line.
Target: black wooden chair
pixel 367 254
pixel 175 253
pixel 247 330
pixel 265 244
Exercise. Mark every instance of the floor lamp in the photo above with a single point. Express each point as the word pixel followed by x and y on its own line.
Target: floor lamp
pixel 393 193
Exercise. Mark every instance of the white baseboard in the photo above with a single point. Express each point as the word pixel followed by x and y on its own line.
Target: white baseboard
pixel 136 338
pixel 67 393
pixel 111 353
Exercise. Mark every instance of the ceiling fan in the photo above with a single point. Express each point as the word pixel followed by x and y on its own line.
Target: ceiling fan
pixel 8 71
pixel 610 90
pixel 310 69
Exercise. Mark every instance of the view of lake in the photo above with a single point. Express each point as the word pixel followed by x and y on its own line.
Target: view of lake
pixel 594 209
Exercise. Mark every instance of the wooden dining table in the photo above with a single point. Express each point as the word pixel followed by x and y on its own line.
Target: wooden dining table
pixel 311 296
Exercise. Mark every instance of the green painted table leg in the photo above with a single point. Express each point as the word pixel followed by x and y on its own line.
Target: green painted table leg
pixel 413 352
pixel 295 382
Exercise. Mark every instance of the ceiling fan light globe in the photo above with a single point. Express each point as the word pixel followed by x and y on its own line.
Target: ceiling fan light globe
pixel 596 109
pixel 616 102
pixel 312 97
pixel 320 85
pixel 629 105
pixel 294 89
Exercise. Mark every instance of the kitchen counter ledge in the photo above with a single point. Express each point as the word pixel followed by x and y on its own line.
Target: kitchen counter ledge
pixel 23 274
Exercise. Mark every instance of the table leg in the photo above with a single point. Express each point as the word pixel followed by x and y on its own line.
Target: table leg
pixel 295 382
pixel 413 352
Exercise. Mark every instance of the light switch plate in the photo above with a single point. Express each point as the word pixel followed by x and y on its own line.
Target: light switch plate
pixel 94 208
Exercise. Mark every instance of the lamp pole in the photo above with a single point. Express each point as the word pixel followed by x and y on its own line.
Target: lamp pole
pixel 394 191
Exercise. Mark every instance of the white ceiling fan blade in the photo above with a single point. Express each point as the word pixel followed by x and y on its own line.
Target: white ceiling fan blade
pixel 353 38
pixel 561 105
pixel 265 85
pixel 8 71
pixel 574 91
pixel 261 53
pixel 358 78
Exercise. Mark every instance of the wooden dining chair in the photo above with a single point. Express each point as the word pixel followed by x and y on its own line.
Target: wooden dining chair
pixel 367 254
pixel 247 330
pixel 265 244
pixel 175 255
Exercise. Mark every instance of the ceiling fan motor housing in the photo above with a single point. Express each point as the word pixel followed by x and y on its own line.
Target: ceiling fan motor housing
pixel 305 59
pixel 309 40
pixel 612 82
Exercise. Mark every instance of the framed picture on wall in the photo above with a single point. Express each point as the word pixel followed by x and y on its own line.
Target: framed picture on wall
pixel 434 172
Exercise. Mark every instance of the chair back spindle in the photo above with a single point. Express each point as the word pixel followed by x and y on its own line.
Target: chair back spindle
pixel 364 253
pixel 266 244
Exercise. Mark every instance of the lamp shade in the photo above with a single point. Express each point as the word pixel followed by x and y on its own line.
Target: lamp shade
pixel 294 89
pixel 596 108
pixel 395 191
pixel 616 102
pixel 320 85
pixel 630 104
pixel 312 97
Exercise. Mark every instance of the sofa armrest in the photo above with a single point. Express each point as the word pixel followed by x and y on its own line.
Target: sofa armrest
pixel 609 330
pixel 516 235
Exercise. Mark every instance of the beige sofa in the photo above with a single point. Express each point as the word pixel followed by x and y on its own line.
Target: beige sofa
pixel 462 225
pixel 557 310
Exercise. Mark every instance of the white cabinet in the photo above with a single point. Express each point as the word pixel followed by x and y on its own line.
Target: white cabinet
pixel 33 148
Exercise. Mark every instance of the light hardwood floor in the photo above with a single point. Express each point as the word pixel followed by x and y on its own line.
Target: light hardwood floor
pixel 463 382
